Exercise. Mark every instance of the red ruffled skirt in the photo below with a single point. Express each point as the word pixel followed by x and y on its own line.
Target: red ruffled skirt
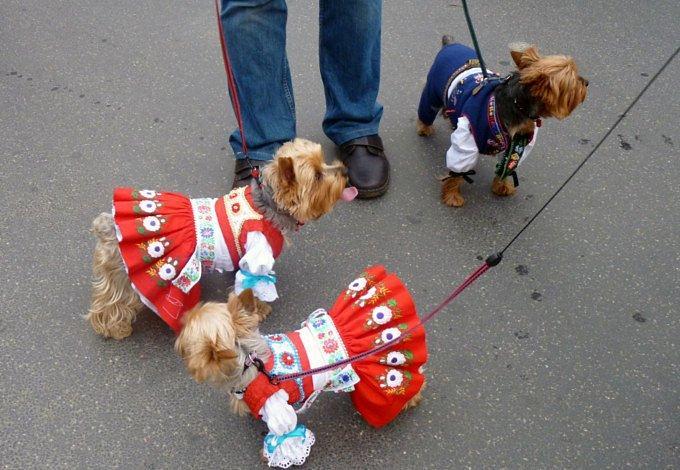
pixel 375 308
pixel 157 237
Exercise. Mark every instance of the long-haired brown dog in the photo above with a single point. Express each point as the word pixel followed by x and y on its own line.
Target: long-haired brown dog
pixel 154 247
pixel 221 344
pixel 487 115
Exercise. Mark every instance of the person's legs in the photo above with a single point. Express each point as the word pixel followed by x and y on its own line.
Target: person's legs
pixel 255 33
pixel 349 57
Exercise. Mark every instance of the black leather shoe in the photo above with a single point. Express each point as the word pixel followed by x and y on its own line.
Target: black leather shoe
pixel 242 173
pixel 367 166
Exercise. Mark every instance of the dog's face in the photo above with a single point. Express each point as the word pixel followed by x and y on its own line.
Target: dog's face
pixel 209 342
pixel 553 80
pixel 303 184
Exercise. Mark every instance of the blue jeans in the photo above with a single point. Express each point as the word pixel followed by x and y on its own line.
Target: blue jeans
pixel 349 59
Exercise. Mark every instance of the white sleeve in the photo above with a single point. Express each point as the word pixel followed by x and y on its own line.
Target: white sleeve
pixel 278 414
pixel 463 154
pixel 529 147
pixel 258 260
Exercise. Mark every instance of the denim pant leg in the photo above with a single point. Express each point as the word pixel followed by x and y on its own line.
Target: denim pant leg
pixel 255 32
pixel 349 56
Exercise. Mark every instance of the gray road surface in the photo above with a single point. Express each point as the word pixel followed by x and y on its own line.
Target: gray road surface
pixel 566 355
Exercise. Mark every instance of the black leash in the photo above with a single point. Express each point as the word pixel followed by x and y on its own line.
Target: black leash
pixel 474 40
pixel 592 152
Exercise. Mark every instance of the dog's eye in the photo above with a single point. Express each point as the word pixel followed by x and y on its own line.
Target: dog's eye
pixel 319 175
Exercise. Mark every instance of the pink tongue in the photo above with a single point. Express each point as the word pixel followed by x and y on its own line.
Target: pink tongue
pixel 348 194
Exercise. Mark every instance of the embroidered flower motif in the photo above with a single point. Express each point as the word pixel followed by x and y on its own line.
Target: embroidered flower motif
pixel 167 272
pixel 330 346
pixel 356 286
pixel 276 338
pixel 156 249
pixel 207 232
pixel 389 334
pixel 203 209
pixel 148 206
pixel 152 223
pixel 321 335
pixel 148 194
pixel 395 358
pixel 235 207
pixel 381 315
pixel 183 281
pixel 287 359
pixel 370 293
pixel 393 378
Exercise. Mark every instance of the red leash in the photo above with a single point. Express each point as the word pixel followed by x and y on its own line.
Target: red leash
pixel 490 262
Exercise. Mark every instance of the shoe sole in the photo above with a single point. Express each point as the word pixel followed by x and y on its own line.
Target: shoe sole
pixel 374 192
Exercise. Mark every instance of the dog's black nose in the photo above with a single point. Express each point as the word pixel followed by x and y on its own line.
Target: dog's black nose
pixel 585 80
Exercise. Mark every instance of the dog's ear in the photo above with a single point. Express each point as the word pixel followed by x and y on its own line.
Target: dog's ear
pixel 242 310
pixel 247 299
pixel 523 54
pixel 286 171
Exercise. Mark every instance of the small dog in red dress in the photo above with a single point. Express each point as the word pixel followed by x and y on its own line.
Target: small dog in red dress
pixel 374 309
pixel 154 246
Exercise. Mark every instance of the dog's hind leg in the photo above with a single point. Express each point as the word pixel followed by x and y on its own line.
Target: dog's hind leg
pixel 114 302
pixel 417 398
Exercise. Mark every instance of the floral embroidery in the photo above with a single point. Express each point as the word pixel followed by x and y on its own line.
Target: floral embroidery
pixel 397 358
pixel 190 275
pixel 151 223
pixel 164 269
pixel 333 350
pixel 144 194
pixel 383 314
pixel 500 140
pixel 146 206
pixel 287 359
pixel 330 346
pixel 373 295
pixel 153 248
pixel 356 286
pixel 205 231
pixel 359 284
pixel 395 382
pixel 239 211
pixel 168 271
pixel 390 334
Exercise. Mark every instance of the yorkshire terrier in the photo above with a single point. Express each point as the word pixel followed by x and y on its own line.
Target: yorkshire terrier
pixel 497 115
pixel 154 246
pixel 221 344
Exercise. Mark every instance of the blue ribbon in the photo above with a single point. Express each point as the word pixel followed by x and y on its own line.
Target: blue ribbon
pixel 272 441
pixel 250 279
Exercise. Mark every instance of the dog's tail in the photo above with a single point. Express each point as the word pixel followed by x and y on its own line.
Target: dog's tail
pixel 103 227
pixel 446 40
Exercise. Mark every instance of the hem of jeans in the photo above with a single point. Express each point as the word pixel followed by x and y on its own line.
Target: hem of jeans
pixel 346 137
pixel 260 156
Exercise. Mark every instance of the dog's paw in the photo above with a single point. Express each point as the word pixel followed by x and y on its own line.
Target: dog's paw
pixel 451 192
pixel 503 188
pixel 423 129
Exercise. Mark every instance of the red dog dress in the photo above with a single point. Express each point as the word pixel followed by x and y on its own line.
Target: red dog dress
pixel 167 240
pixel 374 309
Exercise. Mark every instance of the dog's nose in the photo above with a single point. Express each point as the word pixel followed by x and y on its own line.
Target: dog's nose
pixel 585 80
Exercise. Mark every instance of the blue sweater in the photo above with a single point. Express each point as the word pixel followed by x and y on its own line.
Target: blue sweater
pixel 479 108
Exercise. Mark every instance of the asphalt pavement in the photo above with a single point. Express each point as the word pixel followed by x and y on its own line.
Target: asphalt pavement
pixel 564 356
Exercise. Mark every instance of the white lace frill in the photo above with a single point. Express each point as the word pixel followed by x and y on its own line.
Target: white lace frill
pixel 290 449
